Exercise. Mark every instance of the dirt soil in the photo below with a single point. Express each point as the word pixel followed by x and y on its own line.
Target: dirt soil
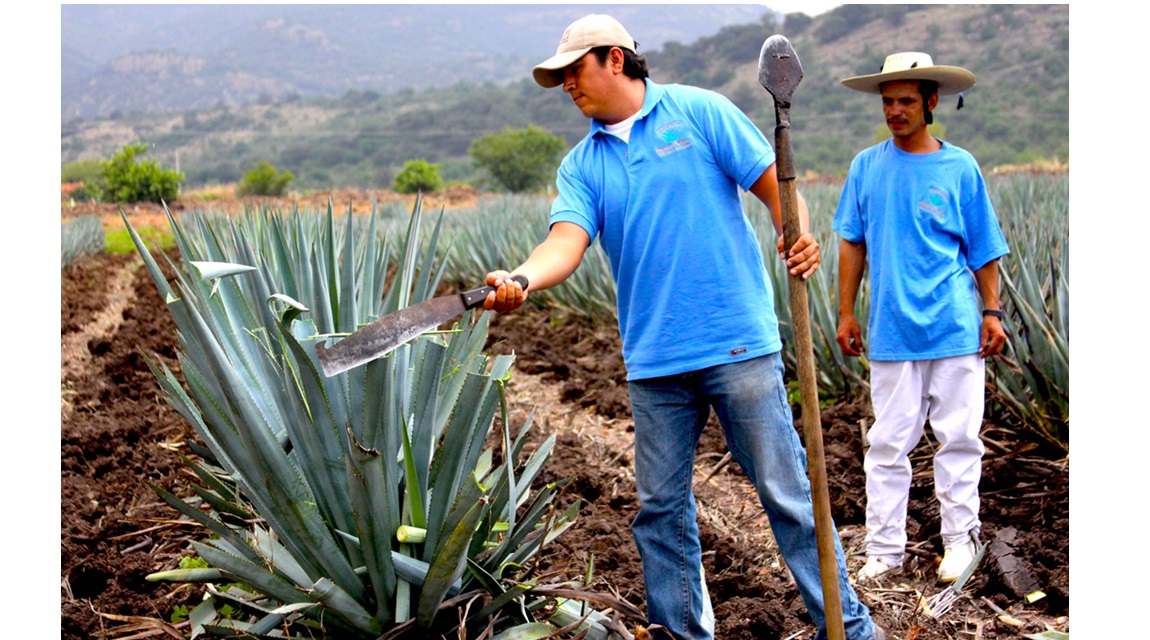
pixel 118 437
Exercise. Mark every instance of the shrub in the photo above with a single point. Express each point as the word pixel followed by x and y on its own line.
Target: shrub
pixel 417 176
pixel 518 160
pixel 131 181
pixel 87 172
pixel 264 179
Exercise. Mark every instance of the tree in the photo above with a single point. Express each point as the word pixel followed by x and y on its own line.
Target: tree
pixel 264 179
pixel 131 181
pixel 518 160
pixel 417 176
pixel 87 172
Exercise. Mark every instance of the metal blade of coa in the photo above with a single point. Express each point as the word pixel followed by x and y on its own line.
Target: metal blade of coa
pixel 387 334
pixel 779 69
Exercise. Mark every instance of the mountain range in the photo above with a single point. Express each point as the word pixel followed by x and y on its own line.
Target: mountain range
pixel 332 130
pixel 123 58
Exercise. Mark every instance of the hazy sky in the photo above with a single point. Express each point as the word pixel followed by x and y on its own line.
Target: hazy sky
pixel 812 9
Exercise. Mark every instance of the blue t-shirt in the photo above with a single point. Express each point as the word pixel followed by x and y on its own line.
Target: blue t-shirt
pixel 691 286
pixel 927 223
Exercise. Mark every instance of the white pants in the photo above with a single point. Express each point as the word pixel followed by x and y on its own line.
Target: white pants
pixel 950 391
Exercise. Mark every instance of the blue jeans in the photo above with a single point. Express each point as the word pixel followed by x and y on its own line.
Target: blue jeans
pixel 751 402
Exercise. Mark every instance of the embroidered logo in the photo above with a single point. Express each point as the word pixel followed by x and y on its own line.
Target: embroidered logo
pixel 739 351
pixel 935 203
pixel 566 36
pixel 673 135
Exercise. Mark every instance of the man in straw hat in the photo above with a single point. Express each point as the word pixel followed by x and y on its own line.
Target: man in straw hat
pixel 657 180
pixel 917 209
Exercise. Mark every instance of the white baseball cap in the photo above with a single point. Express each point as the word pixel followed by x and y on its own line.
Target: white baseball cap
pixel 583 35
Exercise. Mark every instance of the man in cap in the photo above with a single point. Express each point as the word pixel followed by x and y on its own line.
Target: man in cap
pixel 917 209
pixel 657 180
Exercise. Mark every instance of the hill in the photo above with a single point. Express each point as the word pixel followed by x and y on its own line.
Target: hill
pixel 1018 112
pixel 148 58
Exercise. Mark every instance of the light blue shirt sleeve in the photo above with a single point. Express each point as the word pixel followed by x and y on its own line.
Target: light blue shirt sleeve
pixel 575 203
pixel 742 151
pixel 984 240
pixel 848 221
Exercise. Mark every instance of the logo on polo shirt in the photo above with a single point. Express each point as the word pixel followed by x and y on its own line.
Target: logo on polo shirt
pixel 935 203
pixel 674 135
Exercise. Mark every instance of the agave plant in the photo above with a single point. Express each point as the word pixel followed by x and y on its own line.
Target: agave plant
pixel 1032 378
pixel 80 237
pixel 313 487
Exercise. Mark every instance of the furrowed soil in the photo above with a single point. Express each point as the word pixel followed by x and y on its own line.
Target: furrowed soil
pixel 119 438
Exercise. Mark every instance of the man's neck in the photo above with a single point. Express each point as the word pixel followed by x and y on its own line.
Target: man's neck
pixel 923 143
pixel 630 102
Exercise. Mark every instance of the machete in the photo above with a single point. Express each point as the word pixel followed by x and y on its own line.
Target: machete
pixel 388 333
pixel 779 73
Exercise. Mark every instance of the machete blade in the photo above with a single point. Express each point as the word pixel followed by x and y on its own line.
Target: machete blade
pixel 779 69
pixel 387 334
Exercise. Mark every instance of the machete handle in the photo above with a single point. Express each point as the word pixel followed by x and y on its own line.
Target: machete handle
pixel 475 297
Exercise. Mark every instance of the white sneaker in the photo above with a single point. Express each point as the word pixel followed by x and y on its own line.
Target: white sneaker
pixel 955 561
pixel 876 566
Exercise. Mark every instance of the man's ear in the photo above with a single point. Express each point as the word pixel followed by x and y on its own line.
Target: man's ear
pixel 615 59
pixel 932 102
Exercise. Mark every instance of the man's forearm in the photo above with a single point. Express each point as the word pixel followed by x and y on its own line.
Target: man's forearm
pixel 556 258
pixel 766 189
pixel 987 279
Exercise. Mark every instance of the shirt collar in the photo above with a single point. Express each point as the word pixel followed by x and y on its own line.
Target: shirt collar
pixel 653 94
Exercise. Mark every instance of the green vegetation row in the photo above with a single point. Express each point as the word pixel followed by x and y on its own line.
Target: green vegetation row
pixel 512 160
pixel 364 504
pixel 1018 113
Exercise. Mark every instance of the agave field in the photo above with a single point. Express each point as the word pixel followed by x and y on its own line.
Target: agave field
pixel 477 482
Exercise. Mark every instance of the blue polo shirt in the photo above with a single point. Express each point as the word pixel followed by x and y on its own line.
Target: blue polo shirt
pixel 928 224
pixel 667 209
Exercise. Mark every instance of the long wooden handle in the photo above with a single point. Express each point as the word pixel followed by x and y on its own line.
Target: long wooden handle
pixel 808 390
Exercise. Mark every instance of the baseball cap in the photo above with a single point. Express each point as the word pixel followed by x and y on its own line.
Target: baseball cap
pixel 583 35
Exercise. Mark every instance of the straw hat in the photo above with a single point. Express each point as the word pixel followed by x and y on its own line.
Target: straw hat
pixel 583 35
pixel 912 65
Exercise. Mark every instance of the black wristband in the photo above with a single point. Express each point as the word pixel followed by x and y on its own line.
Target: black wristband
pixel 997 313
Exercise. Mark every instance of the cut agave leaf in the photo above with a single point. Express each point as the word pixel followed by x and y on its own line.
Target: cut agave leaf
pixel 186 575
pixel 213 270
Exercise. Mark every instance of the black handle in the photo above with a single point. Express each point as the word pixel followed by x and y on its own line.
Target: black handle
pixel 475 297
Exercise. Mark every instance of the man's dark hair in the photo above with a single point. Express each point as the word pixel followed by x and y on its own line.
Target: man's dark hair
pixel 927 88
pixel 634 65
